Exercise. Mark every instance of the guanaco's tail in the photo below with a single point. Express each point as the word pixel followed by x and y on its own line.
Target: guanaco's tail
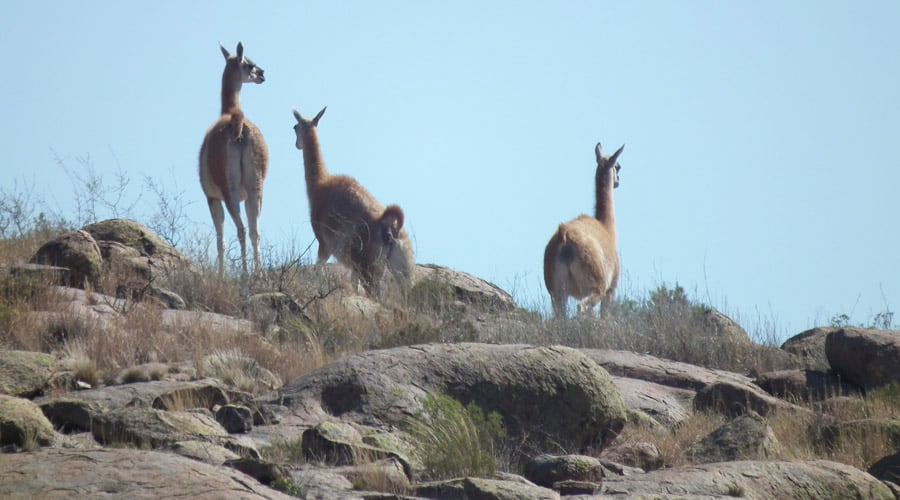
pixel 566 251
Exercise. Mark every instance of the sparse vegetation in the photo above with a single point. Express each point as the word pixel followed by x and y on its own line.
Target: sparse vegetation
pixel 102 339
pixel 456 440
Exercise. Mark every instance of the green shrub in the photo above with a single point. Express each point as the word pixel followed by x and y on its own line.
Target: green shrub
pixel 455 440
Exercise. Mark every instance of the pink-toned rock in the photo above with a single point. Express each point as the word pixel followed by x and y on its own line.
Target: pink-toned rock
pixel 58 473
pixel 867 357
pixel 720 390
pixel 751 479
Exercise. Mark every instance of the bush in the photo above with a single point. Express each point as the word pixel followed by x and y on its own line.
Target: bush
pixel 455 440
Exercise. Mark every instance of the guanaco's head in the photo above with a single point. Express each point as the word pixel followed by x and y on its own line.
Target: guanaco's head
pixel 241 68
pixel 608 166
pixel 304 126
pixel 395 245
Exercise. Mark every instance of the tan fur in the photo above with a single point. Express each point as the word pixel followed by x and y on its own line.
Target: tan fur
pixel 234 160
pixel 349 222
pixel 581 259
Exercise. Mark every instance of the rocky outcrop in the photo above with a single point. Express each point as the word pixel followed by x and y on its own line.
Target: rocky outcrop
pixel 804 385
pixel 26 373
pixel 350 425
pixel 78 252
pixel 747 437
pixel 526 385
pixel 78 410
pixel 888 469
pixel 153 429
pixel 134 235
pixel 868 358
pixel 343 444
pixel 751 479
pixel 809 348
pixel 119 257
pixel 123 473
pixel 548 470
pixel 642 455
pixel 666 405
pixel 22 425
pixel 463 287
pixel 483 488
pixel 137 263
pixel 716 390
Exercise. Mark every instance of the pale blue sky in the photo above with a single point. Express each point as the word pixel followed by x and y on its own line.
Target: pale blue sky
pixel 761 161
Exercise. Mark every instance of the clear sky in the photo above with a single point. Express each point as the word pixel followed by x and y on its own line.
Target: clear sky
pixel 761 162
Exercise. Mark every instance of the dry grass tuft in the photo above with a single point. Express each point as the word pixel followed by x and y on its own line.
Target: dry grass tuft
pixel 672 442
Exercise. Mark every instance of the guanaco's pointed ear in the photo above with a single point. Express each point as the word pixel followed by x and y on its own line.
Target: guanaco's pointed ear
pixel 224 51
pixel 240 50
pixel 315 120
pixel 599 152
pixel 615 157
pixel 297 115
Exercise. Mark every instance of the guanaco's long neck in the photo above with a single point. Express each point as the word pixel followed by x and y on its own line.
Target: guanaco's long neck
pixel 313 165
pixel 231 91
pixel 604 211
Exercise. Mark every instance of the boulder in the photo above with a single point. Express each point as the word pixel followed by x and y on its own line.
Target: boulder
pixel 724 327
pixel 747 437
pixel 235 419
pixel 718 390
pixel 150 428
pixel 25 373
pixel 483 489
pixel 730 399
pixel 145 241
pixel 809 348
pixel 444 283
pixel 342 444
pixel 264 472
pixel 58 473
pixel 547 470
pixel 666 405
pixel 138 264
pixel 751 479
pixel 866 357
pixel 22 424
pixel 323 483
pixel 78 252
pixel 526 385
pixel 663 371
pixel 640 455
pixel 804 385
pixel 79 410
pixel 887 468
